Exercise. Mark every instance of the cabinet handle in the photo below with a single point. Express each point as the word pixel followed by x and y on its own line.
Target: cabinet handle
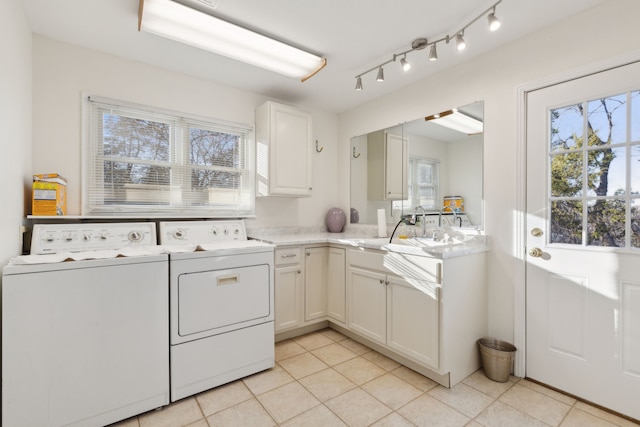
pixel 299 271
pixel 381 281
pixel 287 256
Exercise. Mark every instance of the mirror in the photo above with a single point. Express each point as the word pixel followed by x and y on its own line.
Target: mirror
pixel 420 162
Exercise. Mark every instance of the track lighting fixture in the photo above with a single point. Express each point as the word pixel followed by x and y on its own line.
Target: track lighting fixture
pixel 494 22
pixel 421 43
pixel 460 43
pixel 433 53
pixel 405 64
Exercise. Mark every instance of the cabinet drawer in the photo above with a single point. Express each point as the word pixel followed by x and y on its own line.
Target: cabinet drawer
pixel 286 256
pixel 403 265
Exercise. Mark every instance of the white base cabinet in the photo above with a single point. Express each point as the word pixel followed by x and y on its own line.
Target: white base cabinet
pixel 309 286
pixel 424 312
pixel 413 320
pixel 288 289
pixel 368 304
pixel 315 283
pixel 431 316
pixel 336 285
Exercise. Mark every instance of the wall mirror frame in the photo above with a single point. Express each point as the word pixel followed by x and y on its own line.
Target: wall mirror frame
pixel 419 162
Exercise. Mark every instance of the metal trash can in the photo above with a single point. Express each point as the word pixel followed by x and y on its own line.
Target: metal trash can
pixel 497 358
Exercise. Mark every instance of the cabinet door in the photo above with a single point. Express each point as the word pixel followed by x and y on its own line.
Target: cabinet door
pixel 288 293
pixel 315 286
pixel 396 174
pixel 336 285
pixel 367 306
pixel 413 314
pixel 290 151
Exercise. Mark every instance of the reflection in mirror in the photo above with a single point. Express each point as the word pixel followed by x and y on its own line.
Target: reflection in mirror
pixel 420 163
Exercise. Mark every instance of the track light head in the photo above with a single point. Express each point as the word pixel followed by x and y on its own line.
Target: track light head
pixel 433 53
pixel 460 43
pixel 359 83
pixel 494 22
pixel 380 77
pixel 405 64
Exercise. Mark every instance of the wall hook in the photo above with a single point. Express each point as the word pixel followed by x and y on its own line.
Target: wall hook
pixel 318 150
pixel 355 156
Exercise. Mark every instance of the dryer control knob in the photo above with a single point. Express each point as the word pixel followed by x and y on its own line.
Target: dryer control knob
pixel 135 236
pixel 179 233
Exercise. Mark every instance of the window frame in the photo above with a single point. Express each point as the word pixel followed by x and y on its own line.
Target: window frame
pixel 413 186
pixel 181 124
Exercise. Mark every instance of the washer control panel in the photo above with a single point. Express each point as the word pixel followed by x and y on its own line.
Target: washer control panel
pixel 54 238
pixel 201 232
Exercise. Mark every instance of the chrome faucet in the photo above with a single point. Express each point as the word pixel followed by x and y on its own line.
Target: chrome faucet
pixel 455 215
pixel 424 222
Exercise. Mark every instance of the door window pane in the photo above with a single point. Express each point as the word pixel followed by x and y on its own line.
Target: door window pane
pixel 566 174
pixel 635 169
pixel 635 116
pixel 607 172
pixel 566 222
pixel 635 223
pixel 608 120
pixel 566 127
pixel 606 223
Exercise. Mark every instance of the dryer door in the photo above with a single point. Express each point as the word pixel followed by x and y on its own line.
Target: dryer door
pixel 215 301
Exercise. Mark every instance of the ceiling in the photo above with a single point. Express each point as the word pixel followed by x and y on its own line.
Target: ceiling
pixel 354 36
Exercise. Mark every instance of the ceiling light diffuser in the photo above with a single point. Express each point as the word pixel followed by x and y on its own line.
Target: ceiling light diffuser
pixel 453 119
pixel 177 22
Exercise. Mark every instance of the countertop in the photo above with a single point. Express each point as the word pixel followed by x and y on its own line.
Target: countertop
pixel 472 242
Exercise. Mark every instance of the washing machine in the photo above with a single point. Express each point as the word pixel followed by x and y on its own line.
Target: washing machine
pixel 85 326
pixel 221 304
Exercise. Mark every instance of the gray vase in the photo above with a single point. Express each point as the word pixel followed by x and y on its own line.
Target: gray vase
pixel 335 220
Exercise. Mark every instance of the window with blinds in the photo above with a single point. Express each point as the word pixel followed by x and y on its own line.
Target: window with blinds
pixel 143 161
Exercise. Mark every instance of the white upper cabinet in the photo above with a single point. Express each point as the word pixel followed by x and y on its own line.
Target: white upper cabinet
pixel 387 156
pixel 284 143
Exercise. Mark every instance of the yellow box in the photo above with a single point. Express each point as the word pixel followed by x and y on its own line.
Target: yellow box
pixel 49 196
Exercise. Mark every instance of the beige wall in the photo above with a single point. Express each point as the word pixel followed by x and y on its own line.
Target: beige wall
pixel 62 72
pixel 603 32
pixel 15 124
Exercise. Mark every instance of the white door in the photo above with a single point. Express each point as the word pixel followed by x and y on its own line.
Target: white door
pixel 583 238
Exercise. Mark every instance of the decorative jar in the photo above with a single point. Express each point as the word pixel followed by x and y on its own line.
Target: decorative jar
pixel 335 220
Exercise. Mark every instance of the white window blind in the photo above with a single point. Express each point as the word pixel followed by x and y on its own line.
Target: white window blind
pixel 143 161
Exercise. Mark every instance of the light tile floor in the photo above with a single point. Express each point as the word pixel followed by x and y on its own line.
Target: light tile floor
pixel 326 379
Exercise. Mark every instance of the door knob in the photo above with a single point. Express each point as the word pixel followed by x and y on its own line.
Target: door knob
pixel 535 252
pixel 536 232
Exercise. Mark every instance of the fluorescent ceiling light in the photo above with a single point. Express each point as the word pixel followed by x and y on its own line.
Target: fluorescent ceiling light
pixel 453 119
pixel 175 21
